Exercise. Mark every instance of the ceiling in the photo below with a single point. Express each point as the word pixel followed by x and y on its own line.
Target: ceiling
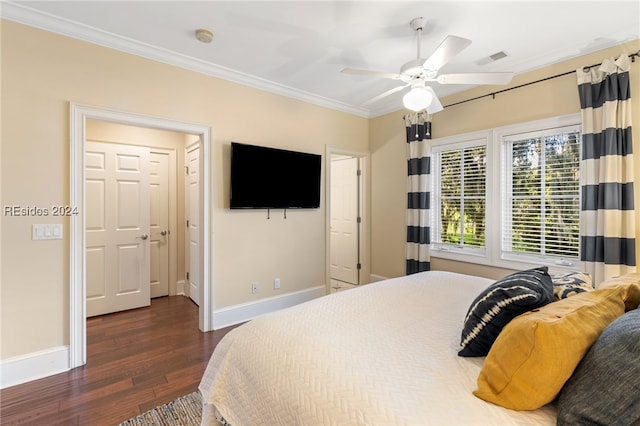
pixel 298 48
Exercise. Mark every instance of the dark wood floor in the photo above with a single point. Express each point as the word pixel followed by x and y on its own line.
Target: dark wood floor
pixel 136 360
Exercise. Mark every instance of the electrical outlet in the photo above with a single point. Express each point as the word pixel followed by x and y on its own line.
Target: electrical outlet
pixel 254 288
pixel 276 283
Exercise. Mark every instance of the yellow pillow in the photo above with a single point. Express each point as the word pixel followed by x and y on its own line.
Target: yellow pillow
pixel 536 353
pixel 632 298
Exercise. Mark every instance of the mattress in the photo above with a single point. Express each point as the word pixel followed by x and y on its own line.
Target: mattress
pixel 381 354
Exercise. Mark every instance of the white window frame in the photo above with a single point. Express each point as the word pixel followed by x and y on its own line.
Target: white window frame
pixel 460 142
pixel 524 132
pixel 492 254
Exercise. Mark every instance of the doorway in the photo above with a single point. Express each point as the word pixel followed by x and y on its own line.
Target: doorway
pixel 347 236
pixel 132 211
pixel 77 292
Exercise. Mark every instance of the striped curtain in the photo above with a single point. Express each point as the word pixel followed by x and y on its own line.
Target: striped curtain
pixel 418 128
pixel 607 216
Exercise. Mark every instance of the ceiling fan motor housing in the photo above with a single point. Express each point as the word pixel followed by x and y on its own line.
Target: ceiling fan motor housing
pixel 414 69
pixel 417 24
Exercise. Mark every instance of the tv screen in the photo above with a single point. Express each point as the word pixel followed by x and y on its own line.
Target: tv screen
pixel 270 178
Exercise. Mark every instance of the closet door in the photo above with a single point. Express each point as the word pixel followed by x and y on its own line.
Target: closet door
pixel 117 227
pixel 345 211
pixel 159 224
pixel 193 223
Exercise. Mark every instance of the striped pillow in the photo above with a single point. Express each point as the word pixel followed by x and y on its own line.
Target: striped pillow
pixel 500 303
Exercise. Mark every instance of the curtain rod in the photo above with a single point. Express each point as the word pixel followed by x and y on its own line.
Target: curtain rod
pixel 493 94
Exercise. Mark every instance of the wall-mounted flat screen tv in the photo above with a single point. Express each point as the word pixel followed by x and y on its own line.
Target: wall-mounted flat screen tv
pixel 271 178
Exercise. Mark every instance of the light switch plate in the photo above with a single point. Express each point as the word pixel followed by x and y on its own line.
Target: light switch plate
pixel 50 231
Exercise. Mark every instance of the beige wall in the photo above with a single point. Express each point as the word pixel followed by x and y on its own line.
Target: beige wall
pixel 43 72
pixel 551 98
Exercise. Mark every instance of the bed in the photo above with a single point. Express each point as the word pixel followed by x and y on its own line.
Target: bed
pixel 382 354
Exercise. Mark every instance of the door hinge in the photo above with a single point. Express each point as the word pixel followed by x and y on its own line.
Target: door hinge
pixel 187 276
pixel 187 223
pixel 359 219
pixel 359 172
pixel 359 266
pixel 186 170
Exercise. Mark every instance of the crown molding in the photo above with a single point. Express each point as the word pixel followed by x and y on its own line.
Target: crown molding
pixel 25 15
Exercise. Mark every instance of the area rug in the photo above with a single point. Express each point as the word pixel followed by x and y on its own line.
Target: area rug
pixel 184 411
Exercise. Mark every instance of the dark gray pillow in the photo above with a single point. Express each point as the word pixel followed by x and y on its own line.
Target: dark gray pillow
pixel 605 387
pixel 499 303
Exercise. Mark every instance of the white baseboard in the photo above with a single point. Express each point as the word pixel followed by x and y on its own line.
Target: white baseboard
pixel 373 278
pixel 33 366
pixel 36 365
pixel 243 312
pixel 180 288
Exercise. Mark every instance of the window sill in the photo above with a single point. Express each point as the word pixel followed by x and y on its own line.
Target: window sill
pixel 508 263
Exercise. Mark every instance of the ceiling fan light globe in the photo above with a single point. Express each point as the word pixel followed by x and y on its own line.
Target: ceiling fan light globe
pixel 417 99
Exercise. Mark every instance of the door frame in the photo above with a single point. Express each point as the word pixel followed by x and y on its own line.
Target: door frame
pixel 79 114
pixel 365 212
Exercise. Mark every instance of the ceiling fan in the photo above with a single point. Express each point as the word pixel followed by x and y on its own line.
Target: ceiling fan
pixel 418 72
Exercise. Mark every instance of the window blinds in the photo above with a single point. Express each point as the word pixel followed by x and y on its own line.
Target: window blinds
pixel 462 196
pixel 542 194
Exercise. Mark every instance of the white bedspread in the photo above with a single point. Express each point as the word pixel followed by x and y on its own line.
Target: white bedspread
pixel 382 354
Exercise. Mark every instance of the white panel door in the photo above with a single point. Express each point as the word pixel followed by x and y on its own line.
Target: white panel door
pixel 117 227
pixel 344 236
pixel 193 222
pixel 159 224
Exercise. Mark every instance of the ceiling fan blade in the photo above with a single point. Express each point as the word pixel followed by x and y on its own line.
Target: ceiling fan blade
pixel 382 74
pixel 435 106
pixel 450 47
pixel 384 94
pixel 476 78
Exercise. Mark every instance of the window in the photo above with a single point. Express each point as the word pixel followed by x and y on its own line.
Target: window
pixel 509 197
pixel 541 194
pixel 460 196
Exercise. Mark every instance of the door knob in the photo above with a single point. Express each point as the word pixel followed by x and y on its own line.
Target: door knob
pixel 164 232
pixel 144 236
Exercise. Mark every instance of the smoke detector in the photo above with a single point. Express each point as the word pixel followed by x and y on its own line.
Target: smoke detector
pixel 205 36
